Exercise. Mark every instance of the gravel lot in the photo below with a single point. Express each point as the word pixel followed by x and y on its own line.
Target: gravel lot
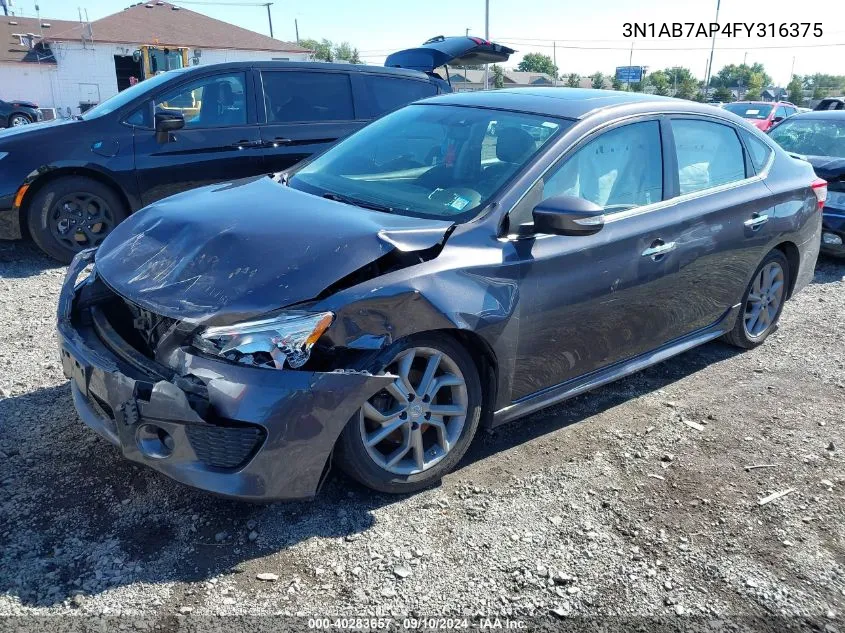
pixel 631 501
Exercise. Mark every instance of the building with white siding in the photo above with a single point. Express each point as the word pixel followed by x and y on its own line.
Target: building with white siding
pixel 68 66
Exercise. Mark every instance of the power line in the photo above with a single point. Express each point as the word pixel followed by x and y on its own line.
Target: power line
pixel 220 3
pixel 670 49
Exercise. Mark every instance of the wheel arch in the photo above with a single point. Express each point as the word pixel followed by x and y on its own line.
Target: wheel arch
pixel 793 256
pixel 37 182
pixel 21 113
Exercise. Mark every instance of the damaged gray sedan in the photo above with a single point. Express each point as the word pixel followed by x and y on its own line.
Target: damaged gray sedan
pixel 463 261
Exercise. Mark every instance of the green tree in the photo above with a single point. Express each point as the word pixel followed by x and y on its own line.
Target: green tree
pixel 755 87
pixel 323 50
pixel 636 86
pixel 345 52
pixel 723 94
pixel 537 63
pixel 660 81
pixel 597 80
pixel 732 75
pixel 573 80
pixel 681 82
pixel 796 91
pixel 498 76
pixel 615 84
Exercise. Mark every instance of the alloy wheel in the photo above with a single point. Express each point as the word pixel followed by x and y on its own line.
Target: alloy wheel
pixel 765 300
pixel 80 220
pixel 19 120
pixel 414 423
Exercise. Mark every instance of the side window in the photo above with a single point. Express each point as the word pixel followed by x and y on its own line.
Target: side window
pixel 142 117
pixel 218 101
pixel 709 154
pixel 301 97
pixel 758 150
pixel 781 112
pixel 389 93
pixel 790 111
pixel 621 169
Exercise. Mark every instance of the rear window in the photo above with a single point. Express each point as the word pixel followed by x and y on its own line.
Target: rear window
pixel 389 93
pixel 303 97
pixel 749 110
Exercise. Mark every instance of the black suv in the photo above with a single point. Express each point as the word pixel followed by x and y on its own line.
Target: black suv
pixel 71 182
pixel 17 113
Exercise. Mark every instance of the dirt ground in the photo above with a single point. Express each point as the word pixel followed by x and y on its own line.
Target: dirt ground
pixel 638 504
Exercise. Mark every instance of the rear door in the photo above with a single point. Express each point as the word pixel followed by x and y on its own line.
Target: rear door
pixel 724 212
pixel 220 140
pixel 303 112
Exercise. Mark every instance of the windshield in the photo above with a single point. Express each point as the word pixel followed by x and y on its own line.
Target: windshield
pixel 122 98
pixel 749 110
pixel 811 137
pixel 432 161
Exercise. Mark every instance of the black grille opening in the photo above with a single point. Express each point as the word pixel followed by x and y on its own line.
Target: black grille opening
pixel 225 447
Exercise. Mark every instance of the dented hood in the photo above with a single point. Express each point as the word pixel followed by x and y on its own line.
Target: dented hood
pixel 233 251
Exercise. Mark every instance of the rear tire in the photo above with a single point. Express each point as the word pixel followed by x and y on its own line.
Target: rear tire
pixel 762 302
pixel 72 213
pixel 456 385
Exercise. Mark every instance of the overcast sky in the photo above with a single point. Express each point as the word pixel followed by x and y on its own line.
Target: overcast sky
pixel 589 34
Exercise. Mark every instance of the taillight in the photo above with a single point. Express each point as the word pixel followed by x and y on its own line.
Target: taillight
pixel 820 189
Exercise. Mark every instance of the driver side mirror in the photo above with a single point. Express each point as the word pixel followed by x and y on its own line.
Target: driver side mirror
pixel 777 119
pixel 568 215
pixel 167 121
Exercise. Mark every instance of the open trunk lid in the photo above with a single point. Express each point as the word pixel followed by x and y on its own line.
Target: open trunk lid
pixel 451 51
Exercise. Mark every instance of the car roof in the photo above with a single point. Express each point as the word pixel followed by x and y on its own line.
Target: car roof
pixel 286 65
pixel 568 103
pixel 769 103
pixel 836 115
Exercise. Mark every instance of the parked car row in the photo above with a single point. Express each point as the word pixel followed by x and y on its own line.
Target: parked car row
pixel 460 262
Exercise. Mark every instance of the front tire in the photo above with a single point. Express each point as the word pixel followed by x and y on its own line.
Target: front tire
pixel 73 213
pixel 16 120
pixel 406 437
pixel 762 302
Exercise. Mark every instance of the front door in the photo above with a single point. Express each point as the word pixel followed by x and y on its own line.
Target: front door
pixel 220 140
pixel 590 301
pixel 304 112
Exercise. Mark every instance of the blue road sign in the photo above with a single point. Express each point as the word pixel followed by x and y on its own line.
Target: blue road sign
pixel 629 74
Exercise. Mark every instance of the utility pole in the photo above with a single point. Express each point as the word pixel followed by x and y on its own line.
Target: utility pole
pixel 554 61
pixel 296 26
pixel 487 37
pixel 792 70
pixel 269 17
pixel 712 48
pixel 630 62
pixel 467 33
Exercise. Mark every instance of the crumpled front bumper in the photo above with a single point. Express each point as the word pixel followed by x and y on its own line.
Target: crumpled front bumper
pixel 282 423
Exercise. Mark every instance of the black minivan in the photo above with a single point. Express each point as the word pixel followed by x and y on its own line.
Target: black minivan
pixel 69 183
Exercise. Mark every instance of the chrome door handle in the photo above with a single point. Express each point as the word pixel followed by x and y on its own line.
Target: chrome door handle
pixel 757 221
pixel 659 249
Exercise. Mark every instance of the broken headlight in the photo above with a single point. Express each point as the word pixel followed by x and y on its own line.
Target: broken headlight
pixel 287 338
